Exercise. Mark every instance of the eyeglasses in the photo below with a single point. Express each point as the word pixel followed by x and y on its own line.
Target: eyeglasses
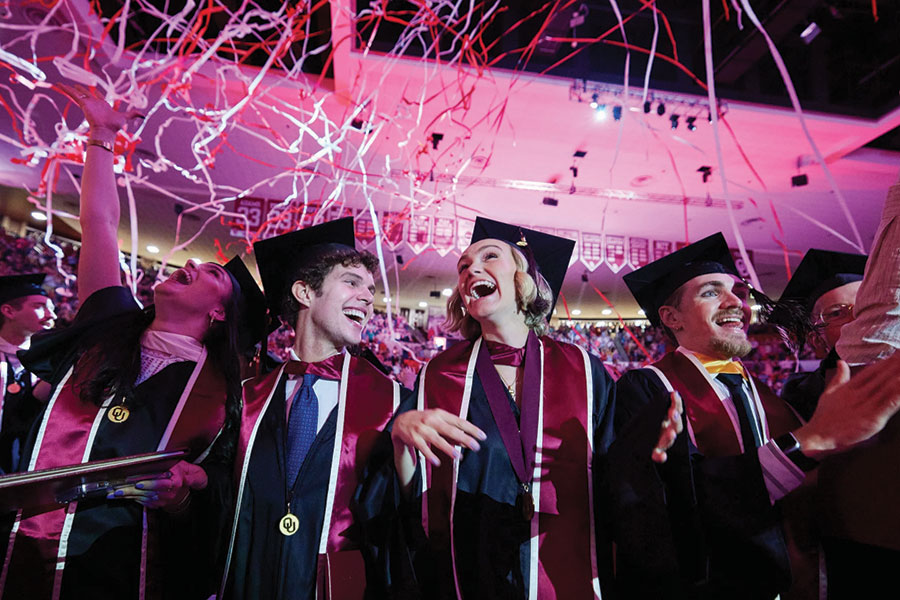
pixel 835 313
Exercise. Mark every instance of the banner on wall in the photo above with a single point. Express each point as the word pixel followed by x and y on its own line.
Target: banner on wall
pixel 638 252
pixel 616 256
pixel 464 229
pixel 591 250
pixel 570 234
pixel 418 233
pixel 393 226
pixel 444 235
pixel 661 248
pixel 255 209
pixel 364 228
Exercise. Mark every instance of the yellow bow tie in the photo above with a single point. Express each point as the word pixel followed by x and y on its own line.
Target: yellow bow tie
pixel 716 366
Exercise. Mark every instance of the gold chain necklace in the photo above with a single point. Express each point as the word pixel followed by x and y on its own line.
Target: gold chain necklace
pixel 511 388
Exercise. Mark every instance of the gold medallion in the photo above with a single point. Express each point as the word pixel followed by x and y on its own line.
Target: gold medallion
pixel 118 413
pixel 14 388
pixel 288 524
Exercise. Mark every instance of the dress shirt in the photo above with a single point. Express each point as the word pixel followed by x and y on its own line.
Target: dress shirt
pixel 326 392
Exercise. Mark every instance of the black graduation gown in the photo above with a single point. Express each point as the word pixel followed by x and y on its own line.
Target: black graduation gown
pixel 694 527
pixel 104 547
pixel 802 390
pixel 491 538
pixel 20 409
pixel 265 563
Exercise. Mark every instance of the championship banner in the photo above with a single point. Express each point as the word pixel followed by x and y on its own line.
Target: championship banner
pixel 638 252
pixel 570 234
pixel 392 228
pixel 464 229
pixel 254 209
pixel 418 234
pixel 309 216
pixel 339 211
pixel 616 257
pixel 282 218
pixel 661 248
pixel 364 228
pixel 591 250
pixel 443 238
pixel 742 269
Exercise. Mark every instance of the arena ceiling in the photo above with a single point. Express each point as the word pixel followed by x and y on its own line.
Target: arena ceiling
pixel 490 114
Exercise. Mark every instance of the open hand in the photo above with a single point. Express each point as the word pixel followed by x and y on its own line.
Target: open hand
pixel 852 410
pixel 97 111
pixel 435 428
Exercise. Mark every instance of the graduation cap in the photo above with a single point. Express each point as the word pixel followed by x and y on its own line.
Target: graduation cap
pixel 653 284
pixel 821 271
pixel 19 286
pixel 251 305
pixel 279 257
pixel 550 253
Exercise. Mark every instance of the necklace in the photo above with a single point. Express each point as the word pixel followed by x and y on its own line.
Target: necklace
pixel 510 387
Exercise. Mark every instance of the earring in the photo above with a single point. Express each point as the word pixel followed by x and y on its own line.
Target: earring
pixel 212 320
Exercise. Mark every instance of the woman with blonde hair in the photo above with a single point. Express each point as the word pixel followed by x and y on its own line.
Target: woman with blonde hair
pixel 497 468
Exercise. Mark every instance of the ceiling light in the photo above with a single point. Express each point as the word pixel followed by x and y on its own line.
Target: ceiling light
pixel 600 113
pixel 576 312
pixel 690 123
pixel 661 109
pixel 385 299
pixel 153 249
pixel 423 304
pixel 641 312
pixel 447 292
pixel 606 312
pixel 199 261
pixel 674 120
pixel 38 215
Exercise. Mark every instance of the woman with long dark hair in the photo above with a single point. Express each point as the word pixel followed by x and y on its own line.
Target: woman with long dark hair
pixel 129 380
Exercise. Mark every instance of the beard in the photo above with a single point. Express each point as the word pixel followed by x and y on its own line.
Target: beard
pixel 737 347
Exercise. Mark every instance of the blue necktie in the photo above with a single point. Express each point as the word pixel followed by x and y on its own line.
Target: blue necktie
pixel 302 424
pixel 749 432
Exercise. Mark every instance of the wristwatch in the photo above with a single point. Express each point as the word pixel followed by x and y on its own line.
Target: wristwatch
pixel 789 445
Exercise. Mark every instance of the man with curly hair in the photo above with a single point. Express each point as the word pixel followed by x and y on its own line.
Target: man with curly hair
pixel 308 426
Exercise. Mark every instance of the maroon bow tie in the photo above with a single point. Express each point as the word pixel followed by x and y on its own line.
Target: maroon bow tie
pixel 501 354
pixel 330 368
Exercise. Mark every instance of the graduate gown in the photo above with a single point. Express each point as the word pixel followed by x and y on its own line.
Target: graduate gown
pixel 103 555
pixel 491 540
pixel 697 526
pixel 263 562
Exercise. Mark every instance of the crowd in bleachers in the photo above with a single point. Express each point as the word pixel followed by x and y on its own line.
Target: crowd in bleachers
pixel 404 348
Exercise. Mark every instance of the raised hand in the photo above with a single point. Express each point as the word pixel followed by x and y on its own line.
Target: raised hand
pixel 97 111
pixel 852 409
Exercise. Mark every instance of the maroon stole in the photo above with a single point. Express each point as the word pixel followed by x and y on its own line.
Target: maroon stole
pixel 66 437
pixel 711 428
pixel 714 433
pixel 563 552
pixel 366 401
